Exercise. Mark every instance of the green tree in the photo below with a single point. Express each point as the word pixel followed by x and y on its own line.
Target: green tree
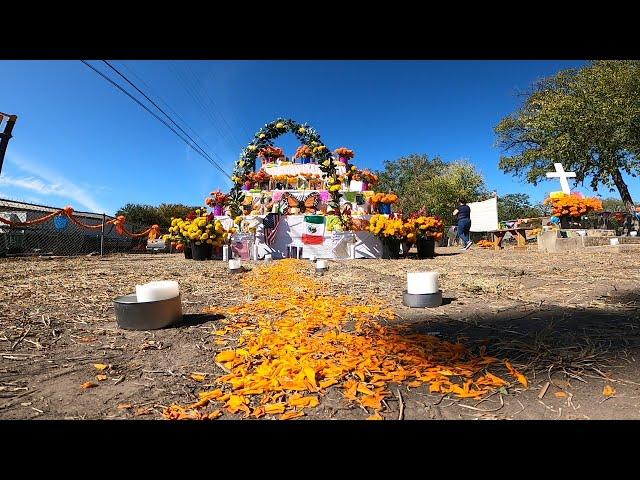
pixel 588 119
pixel 147 215
pixel 517 205
pixel 431 184
pixel 613 205
pixel 397 174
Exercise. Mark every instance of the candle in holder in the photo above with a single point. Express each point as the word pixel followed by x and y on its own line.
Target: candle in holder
pixel 158 290
pixel 421 283
pixel 234 264
pixel 225 253
pixel 255 251
pixel 268 258
pixel 312 258
pixel 322 264
pixel 352 250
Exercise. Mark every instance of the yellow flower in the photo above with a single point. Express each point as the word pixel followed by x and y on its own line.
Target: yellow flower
pixel 253 148
pixel 326 163
pixel 334 188
pixel 262 135
pixel 301 130
pixel 279 125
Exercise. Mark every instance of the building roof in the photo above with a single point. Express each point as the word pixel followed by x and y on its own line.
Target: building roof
pixel 5 203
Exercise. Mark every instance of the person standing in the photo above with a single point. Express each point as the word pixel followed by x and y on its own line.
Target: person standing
pixel 464 223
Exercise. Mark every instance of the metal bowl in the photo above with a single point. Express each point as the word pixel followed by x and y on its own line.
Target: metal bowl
pixel 134 315
pixel 427 300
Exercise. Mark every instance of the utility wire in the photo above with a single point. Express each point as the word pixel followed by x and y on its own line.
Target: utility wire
pixel 131 70
pixel 216 109
pixel 156 105
pixel 199 100
pixel 195 147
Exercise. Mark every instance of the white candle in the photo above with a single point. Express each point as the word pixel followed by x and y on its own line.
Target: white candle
pixel 614 241
pixel 352 250
pixel 268 258
pixel 225 253
pixel 321 263
pixel 255 251
pixel 234 264
pixel 420 283
pixel 158 290
pixel 312 258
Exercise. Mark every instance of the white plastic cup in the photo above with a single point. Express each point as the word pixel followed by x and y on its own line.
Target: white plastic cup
pixel 614 241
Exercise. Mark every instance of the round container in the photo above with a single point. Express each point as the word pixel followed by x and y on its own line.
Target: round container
pixel 427 300
pixel 134 315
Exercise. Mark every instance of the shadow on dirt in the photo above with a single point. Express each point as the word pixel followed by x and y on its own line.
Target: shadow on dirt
pixel 193 319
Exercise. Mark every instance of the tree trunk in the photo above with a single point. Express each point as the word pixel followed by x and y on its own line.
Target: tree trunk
pixel 624 191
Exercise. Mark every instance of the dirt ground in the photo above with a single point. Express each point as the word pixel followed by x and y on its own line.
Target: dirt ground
pixel 569 322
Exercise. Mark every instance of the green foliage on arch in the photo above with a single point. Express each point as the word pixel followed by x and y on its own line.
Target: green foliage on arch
pixel 305 134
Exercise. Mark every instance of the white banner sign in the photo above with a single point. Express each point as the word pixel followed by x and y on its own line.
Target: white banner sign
pixel 484 215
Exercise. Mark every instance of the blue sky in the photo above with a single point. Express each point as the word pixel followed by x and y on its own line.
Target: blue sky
pixel 81 142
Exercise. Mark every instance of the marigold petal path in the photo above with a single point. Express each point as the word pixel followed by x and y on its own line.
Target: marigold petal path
pixel 293 347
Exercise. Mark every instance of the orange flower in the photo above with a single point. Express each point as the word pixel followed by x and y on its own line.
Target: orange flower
pixel 344 152
pixel 573 205
pixel 303 151
pixel 292 347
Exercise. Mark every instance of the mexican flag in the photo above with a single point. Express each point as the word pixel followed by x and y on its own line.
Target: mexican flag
pixel 313 233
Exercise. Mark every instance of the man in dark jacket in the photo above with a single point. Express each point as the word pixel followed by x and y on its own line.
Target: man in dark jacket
pixel 464 223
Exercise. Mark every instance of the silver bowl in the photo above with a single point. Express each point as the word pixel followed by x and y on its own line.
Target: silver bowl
pixel 134 315
pixel 427 300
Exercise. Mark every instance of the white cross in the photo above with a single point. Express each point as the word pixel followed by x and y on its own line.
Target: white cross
pixel 562 175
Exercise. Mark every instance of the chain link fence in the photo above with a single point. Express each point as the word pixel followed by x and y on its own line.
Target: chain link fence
pixel 60 236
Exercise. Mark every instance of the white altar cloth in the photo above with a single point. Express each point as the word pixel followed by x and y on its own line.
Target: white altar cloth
pixel 290 230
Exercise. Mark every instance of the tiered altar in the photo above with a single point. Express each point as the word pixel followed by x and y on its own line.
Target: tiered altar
pixel 317 202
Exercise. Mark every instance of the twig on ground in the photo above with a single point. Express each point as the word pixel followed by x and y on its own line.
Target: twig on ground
pixel 401 414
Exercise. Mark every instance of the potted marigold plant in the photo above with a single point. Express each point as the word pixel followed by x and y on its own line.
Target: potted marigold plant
pixel 204 234
pixel 369 179
pixel 270 154
pixel 344 154
pixel 217 201
pixel 383 201
pixel 572 206
pixel 178 234
pixel 304 153
pixel 391 232
pixel 424 231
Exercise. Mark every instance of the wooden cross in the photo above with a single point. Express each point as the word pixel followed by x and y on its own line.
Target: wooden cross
pixel 562 175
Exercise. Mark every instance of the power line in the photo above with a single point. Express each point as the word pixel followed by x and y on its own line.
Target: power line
pixel 189 91
pixel 212 102
pixel 155 105
pixel 166 104
pixel 194 146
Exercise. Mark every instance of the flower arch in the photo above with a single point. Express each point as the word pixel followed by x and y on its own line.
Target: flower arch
pixel 305 134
